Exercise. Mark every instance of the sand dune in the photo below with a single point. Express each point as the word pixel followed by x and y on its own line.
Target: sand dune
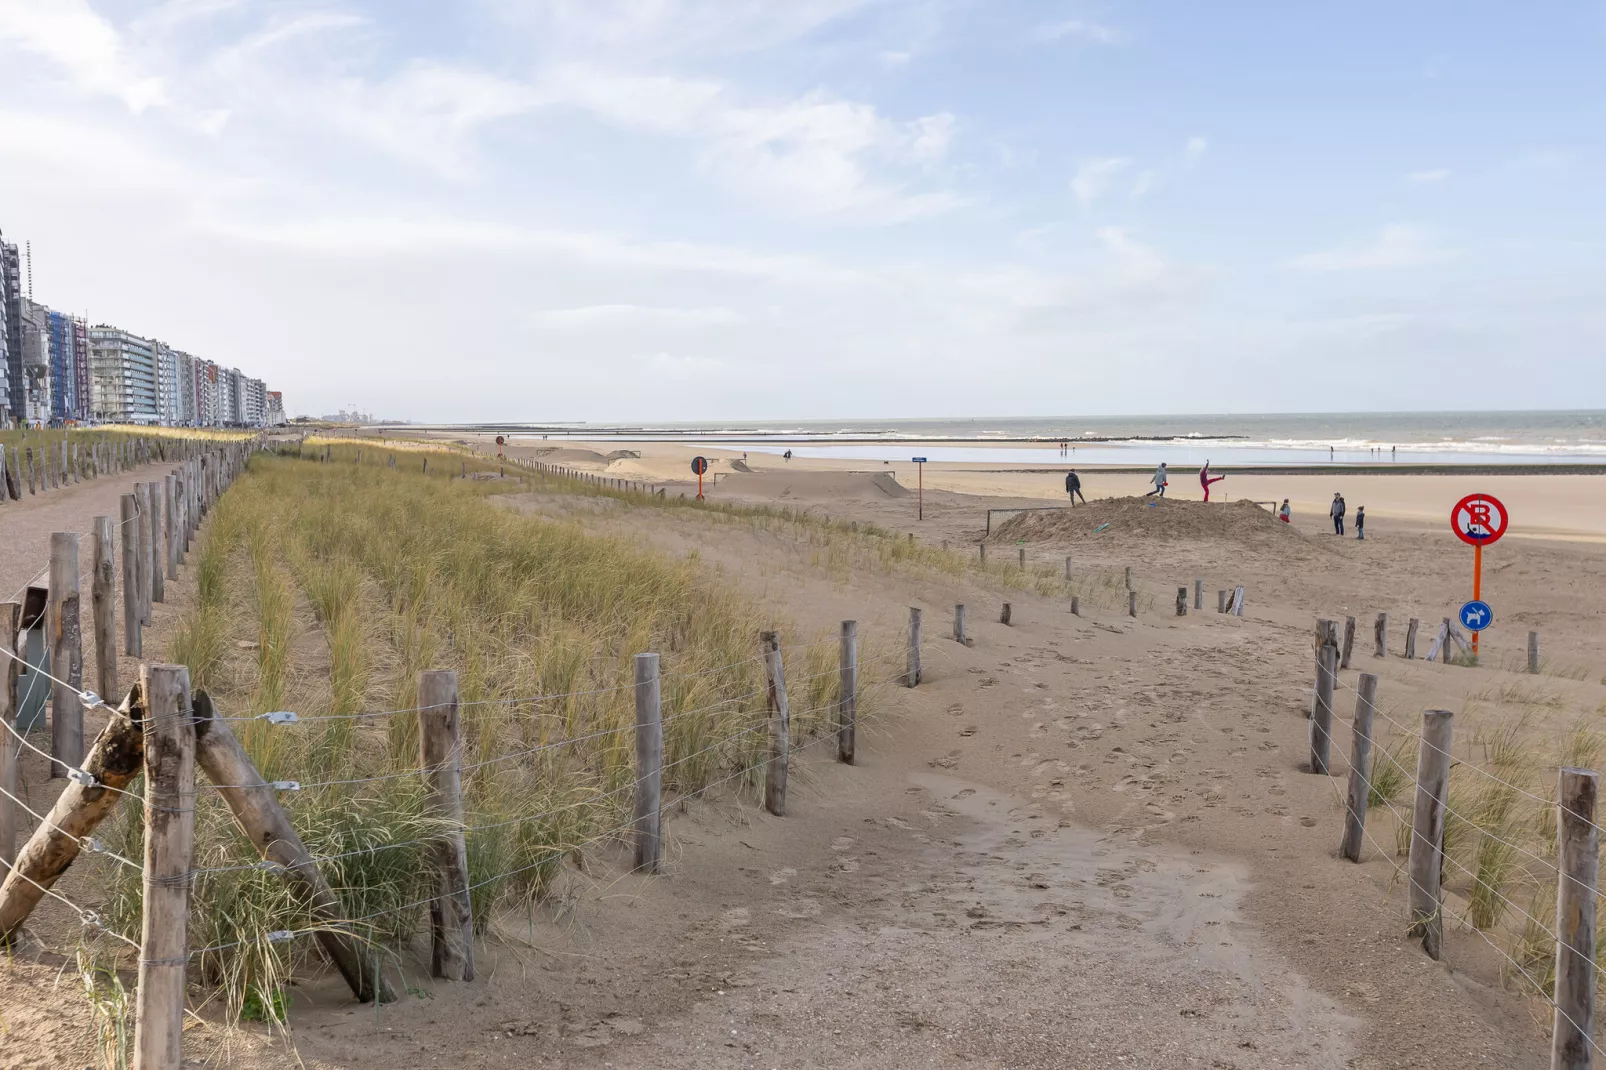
pixel 803 486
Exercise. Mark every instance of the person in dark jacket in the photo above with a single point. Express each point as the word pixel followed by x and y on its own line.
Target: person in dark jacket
pixel 1337 513
pixel 1073 488
pixel 1360 522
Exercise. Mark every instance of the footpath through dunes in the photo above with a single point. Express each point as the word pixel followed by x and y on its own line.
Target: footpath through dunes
pixel 1152 518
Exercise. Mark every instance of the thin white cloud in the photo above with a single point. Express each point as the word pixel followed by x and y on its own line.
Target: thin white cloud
pixel 1077 28
pixel 1194 151
pixel 1397 246
pixel 1145 182
pixel 1094 178
pixel 1425 177
pixel 586 317
pixel 86 47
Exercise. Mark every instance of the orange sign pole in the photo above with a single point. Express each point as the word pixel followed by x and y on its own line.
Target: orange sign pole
pixel 1477 586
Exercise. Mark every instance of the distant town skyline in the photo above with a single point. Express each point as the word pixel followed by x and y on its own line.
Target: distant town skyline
pixel 617 210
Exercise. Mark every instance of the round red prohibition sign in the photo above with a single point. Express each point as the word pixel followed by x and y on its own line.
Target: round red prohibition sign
pixel 1479 519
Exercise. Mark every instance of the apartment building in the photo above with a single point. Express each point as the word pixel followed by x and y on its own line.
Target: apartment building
pixel 123 376
pixel 11 303
pixel 36 379
pixel 69 368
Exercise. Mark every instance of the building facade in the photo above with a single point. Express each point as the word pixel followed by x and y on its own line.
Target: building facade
pixel 69 368
pixel 36 378
pixel 123 376
pixel 274 417
pixel 11 300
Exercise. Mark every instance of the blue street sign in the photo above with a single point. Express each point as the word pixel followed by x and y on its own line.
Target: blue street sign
pixel 917 460
pixel 1476 616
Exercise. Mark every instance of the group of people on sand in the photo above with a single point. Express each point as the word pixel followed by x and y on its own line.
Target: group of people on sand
pixel 1337 511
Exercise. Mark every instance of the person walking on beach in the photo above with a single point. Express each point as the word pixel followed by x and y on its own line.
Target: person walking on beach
pixel 787 456
pixel 1205 479
pixel 1284 513
pixel 1360 522
pixel 1337 513
pixel 1073 487
pixel 1159 482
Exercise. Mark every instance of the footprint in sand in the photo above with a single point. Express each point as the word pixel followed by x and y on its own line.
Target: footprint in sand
pixel 842 843
pixel 968 730
pixel 781 876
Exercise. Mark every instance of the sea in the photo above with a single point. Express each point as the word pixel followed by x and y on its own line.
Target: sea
pixel 1466 438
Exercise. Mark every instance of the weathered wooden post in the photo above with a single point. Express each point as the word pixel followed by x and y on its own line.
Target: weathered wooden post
pixel 959 624
pixel 158 567
pixel 1349 642
pixel 780 716
pixel 1023 559
pixel 10 666
pixel 649 764
pixel 1321 733
pixel 255 805
pixel 1410 639
pixel 1381 634
pixel 982 548
pixel 170 542
pixel 142 552
pixel 1182 601
pixel 1221 601
pixel 1131 603
pixel 169 847
pixel 1578 863
pixel 1198 594
pixel 1533 652
pixel 441 743
pixel 129 529
pixel 1427 830
pixel 1067 568
pixel 847 695
pixel 1129 577
pixel 1360 769
pixel 64 626
pixel 1076 606
pixel 912 673
pixel 1004 614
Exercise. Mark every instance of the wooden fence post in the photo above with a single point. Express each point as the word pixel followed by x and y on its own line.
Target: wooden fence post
pixel 1427 830
pixel 847 695
pixel 649 764
pixel 441 743
pixel 1578 862
pixel 912 674
pixel 158 567
pixel 1349 642
pixel 1131 603
pixel 1221 601
pixel 1380 632
pixel 959 624
pixel 1533 652
pixel 982 548
pixel 170 533
pixel 1321 729
pixel 1067 568
pixel 129 533
pixel 142 552
pixel 1410 639
pixel 1004 614
pixel 1182 601
pixel 256 808
pixel 1129 577
pixel 1023 559
pixel 10 622
pixel 780 742
pixel 1198 594
pixel 169 847
pixel 64 626
pixel 1360 769
pixel 1076 606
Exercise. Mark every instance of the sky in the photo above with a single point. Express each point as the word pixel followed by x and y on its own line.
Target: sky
pixel 685 210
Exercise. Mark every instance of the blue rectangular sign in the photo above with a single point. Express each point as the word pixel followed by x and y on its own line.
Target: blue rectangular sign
pixel 917 460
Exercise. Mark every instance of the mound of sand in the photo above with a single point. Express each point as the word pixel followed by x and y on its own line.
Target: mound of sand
pixel 1240 521
pixel 620 455
pixel 812 486
pixel 558 455
pixel 740 466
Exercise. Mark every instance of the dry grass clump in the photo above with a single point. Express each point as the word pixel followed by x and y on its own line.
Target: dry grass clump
pixel 327 589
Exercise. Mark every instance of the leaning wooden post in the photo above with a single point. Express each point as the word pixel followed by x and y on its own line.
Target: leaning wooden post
pixel 255 805
pixel 157 566
pixel 780 728
pixel 1198 594
pixel 649 764
pixel 1533 652
pixel 129 527
pixel 64 626
pixel 911 676
pixel 1360 769
pixel 1410 639
pixel 1349 642
pixel 1131 603
pixel 847 693
pixel 1427 830
pixel 1578 862
pixel 1182 601
pixel 441 743
pixel 1321 730
pixel 959 624
pixel 10 666
pixel 169 847
pixel 1381 634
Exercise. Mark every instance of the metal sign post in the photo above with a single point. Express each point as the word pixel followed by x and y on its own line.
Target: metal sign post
pixel 920 467
pixel 1478 520
pixel 699 465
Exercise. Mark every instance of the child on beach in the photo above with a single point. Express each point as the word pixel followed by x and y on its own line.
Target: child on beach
pixel 1360 522
pixel 1205 479
pixel 1284 513
pixel 1158 481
